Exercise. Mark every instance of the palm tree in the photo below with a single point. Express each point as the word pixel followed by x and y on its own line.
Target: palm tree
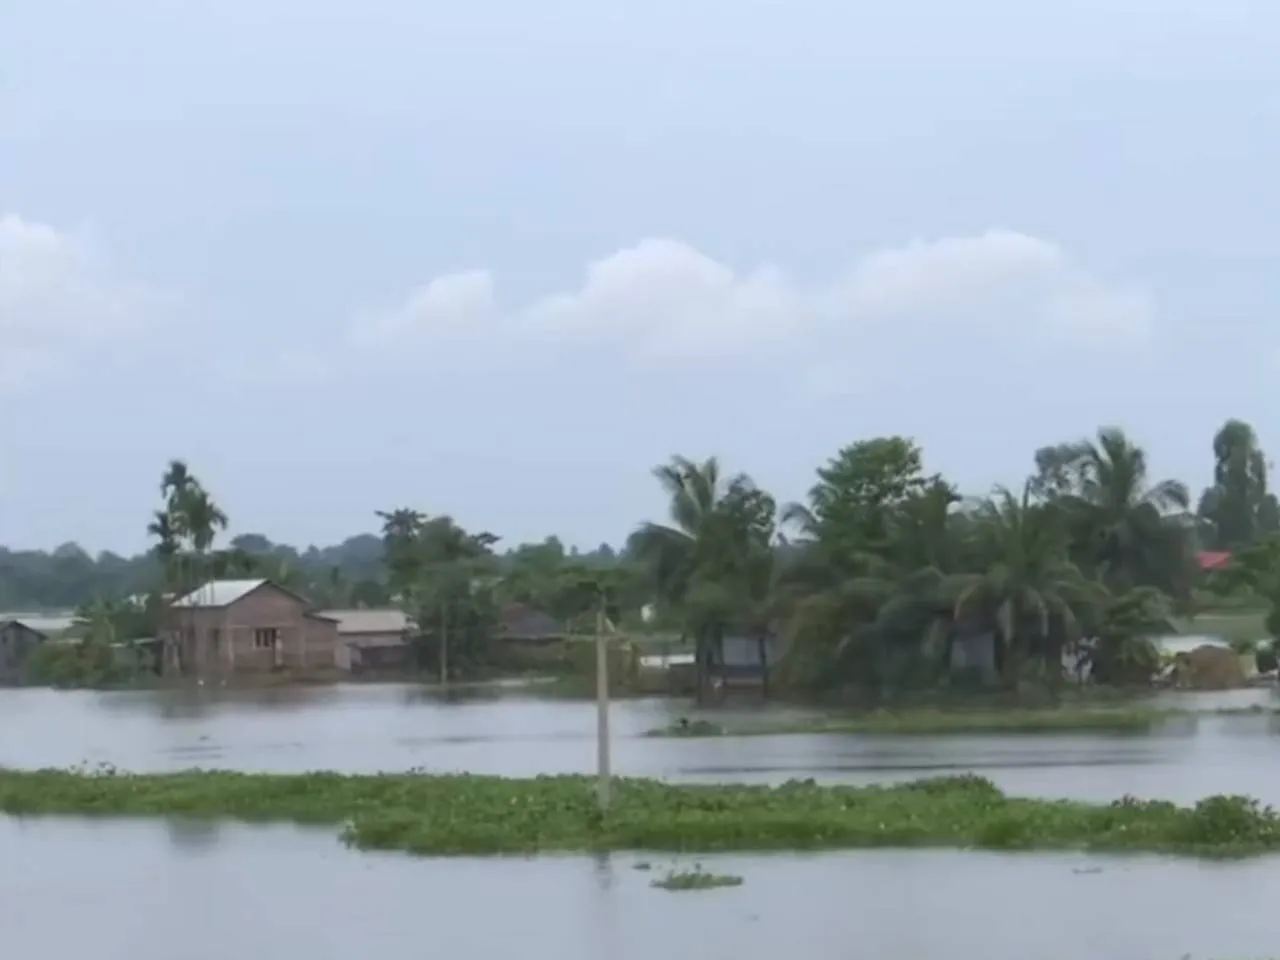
pixel 200 519
pixel 1127 516
pixel 1030 587
pixel 704 562
pixel 162 529
pixel 177 480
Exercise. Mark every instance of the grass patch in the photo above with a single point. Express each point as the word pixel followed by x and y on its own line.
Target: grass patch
pixel 461 815
pixel 938 722
pixel 695 879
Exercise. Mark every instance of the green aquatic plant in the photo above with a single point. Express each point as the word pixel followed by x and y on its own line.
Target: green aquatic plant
pixel 695 879
pixel 935 722
pixel 459 815
pixel 684 727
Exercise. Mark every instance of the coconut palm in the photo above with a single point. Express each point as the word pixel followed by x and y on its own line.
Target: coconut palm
pixel 707 562
pixel 1127 516
pixel 1030 587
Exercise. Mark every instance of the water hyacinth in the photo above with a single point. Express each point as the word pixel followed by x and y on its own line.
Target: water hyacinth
pixel 459 815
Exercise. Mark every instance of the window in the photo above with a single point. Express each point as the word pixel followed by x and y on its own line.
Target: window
pixel 265 638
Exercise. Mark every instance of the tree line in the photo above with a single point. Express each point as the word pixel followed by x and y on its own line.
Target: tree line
pixel 871 579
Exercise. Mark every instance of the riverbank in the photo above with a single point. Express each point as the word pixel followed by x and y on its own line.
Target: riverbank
pixel 934 722
pixel 458 815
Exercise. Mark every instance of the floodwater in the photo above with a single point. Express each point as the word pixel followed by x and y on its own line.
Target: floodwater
pixel 366 728
pixel 185 891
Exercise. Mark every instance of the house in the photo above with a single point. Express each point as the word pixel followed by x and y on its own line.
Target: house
pixel 744 659
pixel 371 639
pixel 521 623
pixel 244 627
pixel 17 640
pixel 52 625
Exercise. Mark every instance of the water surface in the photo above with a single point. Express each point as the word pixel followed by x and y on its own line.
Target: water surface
pixel 378 728
pixel 191 891
pixel 146 891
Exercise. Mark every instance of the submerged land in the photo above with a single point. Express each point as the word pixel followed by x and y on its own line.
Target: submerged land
pixel 933 722
pixel 469 815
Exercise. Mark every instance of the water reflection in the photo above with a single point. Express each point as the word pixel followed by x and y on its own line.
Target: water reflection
pixel 128 890
pixel 366 728
pixel 193 835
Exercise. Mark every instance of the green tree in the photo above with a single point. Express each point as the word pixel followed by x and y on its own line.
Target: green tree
pixel 1238 508
pixel 1030 588
pixel 1127 516
pixel 853 509
pixel 706 563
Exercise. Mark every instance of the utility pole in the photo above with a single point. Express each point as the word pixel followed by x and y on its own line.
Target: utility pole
pixel 602 709
pixel 444 645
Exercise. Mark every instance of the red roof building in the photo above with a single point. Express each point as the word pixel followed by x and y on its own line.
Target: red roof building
pixel 1213 560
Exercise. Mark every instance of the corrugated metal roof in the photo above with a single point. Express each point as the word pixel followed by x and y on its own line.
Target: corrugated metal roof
pixel 380 620
pixel 46 623
pixel 219 593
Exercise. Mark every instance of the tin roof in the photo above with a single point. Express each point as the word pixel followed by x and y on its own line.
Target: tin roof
pixel 377 620
pixel 46 623
pixel 219 593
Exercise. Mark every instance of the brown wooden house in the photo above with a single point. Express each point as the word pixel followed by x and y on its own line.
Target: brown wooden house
pixel 229 627
pixel 521 623
pixel 372 640
pixel 17 641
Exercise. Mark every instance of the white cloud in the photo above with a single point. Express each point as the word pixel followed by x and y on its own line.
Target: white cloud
pixel 57 299
pixel 998 279
pixel 454 305
pixel 663 300
pixel 666 297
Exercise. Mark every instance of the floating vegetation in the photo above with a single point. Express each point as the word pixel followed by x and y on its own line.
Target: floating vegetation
pixel 460 815
pixel 940 722
pixel 695 879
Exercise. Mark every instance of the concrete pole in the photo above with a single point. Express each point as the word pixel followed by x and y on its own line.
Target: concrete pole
pixel 602 711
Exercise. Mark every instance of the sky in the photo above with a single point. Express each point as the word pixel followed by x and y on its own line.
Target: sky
pixel 499 259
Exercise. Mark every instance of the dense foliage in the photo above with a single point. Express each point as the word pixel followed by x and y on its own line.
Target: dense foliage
pixel 446 815
pixel 875 580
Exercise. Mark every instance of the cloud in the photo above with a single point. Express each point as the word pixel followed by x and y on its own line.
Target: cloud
pixel 57 300
pixel 667 298
pixel 453 306
pixel 663 301
pixel 997 279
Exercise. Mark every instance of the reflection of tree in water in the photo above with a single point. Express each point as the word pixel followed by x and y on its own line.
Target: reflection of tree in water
pixel 184 707
pixel 195 835
pixel 418 695
pixel 604 870
pixel 191 703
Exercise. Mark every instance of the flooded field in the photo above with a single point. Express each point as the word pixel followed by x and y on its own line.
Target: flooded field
pixel 152 890
pixel 377 728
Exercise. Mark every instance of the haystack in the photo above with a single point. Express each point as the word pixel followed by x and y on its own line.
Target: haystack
pixel 1209 667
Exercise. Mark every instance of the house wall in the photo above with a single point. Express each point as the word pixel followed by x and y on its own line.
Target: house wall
pixel 347 654
pixel 974 653
pixel 229 639
pixel 379 657
pixel 16 643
